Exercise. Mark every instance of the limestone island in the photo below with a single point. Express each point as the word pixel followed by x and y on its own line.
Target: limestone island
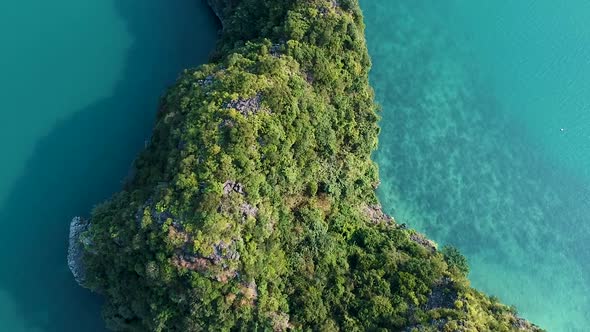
pixel 253 207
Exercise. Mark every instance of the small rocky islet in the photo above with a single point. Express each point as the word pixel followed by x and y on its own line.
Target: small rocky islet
pixel 253 207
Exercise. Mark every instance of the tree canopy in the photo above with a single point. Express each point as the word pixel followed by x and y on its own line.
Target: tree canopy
pixel 253 207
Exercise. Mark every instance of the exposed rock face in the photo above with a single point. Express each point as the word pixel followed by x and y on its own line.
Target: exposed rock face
pixel 280 321
pixel 76 249
pixel 248 210
pixel 443 295
pixel 375 214
pixel 334 4
pixel 246 106
pixel 230 186
pixel 224 254
pixel 423 241
pixel 218 263
pixel 522 325
pixel 207 81
pixel 249 291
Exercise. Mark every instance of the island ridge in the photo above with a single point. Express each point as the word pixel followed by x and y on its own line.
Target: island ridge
pixel 253 207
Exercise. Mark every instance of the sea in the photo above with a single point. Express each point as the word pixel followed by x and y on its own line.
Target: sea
pixel 485 141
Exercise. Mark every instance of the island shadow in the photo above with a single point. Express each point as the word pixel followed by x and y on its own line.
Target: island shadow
pixel 84 159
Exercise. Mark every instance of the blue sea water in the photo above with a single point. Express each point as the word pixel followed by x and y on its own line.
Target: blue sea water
pixel 485 141
pixel 79 88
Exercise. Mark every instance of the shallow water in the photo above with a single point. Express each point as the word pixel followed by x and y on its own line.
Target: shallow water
pixel 474 93
pixel 486 141
pixel 79 89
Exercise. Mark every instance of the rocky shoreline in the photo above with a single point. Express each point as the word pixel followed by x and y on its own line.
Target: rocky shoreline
pixel 76 249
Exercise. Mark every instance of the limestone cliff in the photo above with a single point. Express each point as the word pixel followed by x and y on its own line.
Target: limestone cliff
pixel 78 227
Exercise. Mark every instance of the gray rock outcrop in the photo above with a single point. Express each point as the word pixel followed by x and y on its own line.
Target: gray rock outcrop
pixel 443 295
pixel 76 249
pixel 376 215
pixel 423 241
pixel 246 106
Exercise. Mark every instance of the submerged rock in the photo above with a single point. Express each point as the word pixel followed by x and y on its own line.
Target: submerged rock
pixel 76 249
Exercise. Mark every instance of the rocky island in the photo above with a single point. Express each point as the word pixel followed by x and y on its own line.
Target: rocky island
pixel 253 207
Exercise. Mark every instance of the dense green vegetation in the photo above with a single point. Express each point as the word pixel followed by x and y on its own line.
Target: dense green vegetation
pixel 253 207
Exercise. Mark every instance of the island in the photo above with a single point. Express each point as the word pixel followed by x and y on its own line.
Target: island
pixel 253 206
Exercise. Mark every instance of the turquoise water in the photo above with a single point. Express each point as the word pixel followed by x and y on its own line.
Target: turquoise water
pixel 475 95
pixel 79 88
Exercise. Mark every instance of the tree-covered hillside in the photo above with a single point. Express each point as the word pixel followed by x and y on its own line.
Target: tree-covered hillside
pixel 253 207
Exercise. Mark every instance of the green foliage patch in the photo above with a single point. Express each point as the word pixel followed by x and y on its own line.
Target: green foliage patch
pixel 253 208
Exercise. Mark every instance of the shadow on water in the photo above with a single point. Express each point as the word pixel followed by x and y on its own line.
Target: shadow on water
pixel 83 160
